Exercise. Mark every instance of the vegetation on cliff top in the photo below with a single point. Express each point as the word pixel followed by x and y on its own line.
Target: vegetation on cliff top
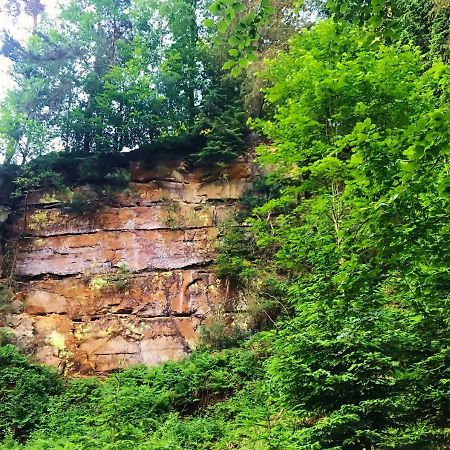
pixel 108 76
pixel 345 253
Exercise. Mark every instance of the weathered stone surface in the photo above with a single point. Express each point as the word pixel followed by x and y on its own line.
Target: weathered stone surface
pixel 108 342
pixel 97 252
pixel 170 215
pixel 43 302
pixel 154 294
pixel 161 184
pixel 80 312
pixel 178 172
pixel 157 191
pixel 112 342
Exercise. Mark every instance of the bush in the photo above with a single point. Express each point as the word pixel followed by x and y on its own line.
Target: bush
pixel 31 178
pixel 6 336
pixel 218 335
pixel 83 202
pixel 7 291
pixel 130 409
pixel 25 392
pixel 359 142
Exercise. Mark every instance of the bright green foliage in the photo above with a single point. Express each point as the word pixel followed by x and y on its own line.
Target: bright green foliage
pixel 249 28
pixel 360 138
pixel 25 392
pixel 30 179
pixel 23 136
pixel 137 408
pixel 425 23
pixel 348 239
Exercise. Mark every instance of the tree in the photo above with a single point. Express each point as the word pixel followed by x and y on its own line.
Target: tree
pixel 357 133
pixel 112 74
pixel 425 23
pixel 22 134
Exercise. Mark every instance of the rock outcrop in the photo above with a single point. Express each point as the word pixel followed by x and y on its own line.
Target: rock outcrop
pixel 129 283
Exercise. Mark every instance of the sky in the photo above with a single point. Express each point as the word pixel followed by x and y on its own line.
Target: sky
pixel 20 28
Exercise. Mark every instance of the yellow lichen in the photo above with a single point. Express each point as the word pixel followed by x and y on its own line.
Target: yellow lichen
pixel 98 283
pixel 57 340
pixel 42 219
pixel 49 198
pixel 38 242
pixel 106 332
pixel 82 331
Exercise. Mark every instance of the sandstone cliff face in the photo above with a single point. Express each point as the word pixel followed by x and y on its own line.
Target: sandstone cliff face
pixel 130 283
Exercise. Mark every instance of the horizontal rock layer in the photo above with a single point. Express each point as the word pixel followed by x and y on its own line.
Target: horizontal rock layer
pixel 128 283
pixel 103 250
pixel 172 215
pixel 152 294
pixel 80 324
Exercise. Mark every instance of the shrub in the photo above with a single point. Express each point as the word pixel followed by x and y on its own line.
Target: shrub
pixel 7 292
pixel 25 392
pixel 6 336
pixel 118 280
pixel 31 178
pixel 84 202
pixel 119 178
pixel 218 335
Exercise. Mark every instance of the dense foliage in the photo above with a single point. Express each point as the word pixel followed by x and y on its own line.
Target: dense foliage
pixel 25 391
pixel 112 75
pixel 137 408
pixel 359 236
pixel 426 23
pixel 356 241
pixel 344 253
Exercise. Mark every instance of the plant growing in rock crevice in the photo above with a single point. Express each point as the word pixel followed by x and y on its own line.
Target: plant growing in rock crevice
pixel 42 219
pixel 84 202
pixel 222 330
pixel 8 290
pixel 8 307
pixel 118 280
pixel 172 213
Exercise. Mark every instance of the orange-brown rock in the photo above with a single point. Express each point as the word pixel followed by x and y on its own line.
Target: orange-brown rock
pixel 158 185
pixel 171 215
pixel 101 251
pixel 131 283
pixel 151 294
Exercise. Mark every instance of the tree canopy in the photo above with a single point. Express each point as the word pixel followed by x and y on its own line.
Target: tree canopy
pixel 113 75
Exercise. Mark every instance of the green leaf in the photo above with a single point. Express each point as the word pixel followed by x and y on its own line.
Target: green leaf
pixel 243 62
pixel 230 14
pixel 236 71
pixel 215 7
pixel 209 23
pixel 229 64
pixel 238 6
pixel 234 41
pixel 222 25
